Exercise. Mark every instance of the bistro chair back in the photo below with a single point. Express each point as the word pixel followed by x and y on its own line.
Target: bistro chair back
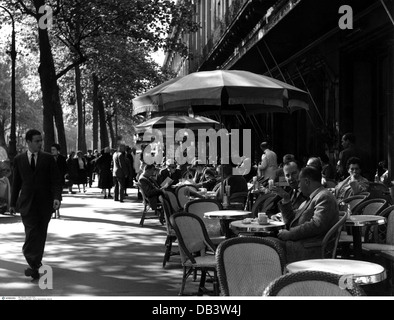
pixel 173 201
pixel 246 265
pixel 331 239
pixel 196 249
pixel 379 190
pixel 370 207
pixel 171 236
pixel 182 194
pixel 383 235
pixel 353 201
pixel 239 197
pixel 312 283
pixel 199 207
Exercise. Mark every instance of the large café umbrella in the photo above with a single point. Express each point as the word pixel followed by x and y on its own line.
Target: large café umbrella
pixel 197 122
pixel 222 90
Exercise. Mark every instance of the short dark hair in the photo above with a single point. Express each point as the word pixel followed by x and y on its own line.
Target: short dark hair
pixel 315 162
pixel 56 145
pixel 353 160
pixel 31 133
pixel 311 173
pixel 288 163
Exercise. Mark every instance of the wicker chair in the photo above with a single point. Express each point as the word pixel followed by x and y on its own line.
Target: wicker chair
pixel 366 207
pixel 246 265
pixel 384 235
pixel 196 249
pixel 354 200
pixel 173 201
pixel 199 207
pixel 312 283
pixel 171 236
pixel 331 239
pixel 147 208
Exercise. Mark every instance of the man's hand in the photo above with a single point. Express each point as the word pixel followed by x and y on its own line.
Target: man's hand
pixel 277 217
pixel 56 204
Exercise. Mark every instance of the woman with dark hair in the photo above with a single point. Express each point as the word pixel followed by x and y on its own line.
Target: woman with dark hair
pixel 103 165
pixel 355 183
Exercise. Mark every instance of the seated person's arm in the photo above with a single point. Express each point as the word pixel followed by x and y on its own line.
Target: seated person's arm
pixel 318 225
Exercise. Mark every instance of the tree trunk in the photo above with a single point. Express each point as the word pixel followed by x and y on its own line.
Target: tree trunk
pixel 95 119
pixel 81 145
pixel 104 141
pixel 50 90
pixel 111 130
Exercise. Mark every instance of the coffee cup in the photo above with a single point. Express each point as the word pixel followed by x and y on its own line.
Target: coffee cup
pixel 262 218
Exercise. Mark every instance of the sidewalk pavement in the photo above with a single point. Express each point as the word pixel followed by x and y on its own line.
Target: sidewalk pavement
pixel 96 248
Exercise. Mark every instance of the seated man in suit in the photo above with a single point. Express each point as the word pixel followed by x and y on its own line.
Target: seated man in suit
pixel 150 187
pixel 170 171
pixel 307 225
pixel 290 193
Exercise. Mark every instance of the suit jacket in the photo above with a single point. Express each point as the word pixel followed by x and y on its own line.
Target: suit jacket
pixel 120 168
pixel 38 188
pixel 151 190
pixel 310 222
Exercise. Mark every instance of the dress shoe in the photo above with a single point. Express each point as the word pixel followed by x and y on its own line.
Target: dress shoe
pixel 110 197
pixel 30 272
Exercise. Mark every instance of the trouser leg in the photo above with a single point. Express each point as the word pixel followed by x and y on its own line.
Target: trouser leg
pixel 36 228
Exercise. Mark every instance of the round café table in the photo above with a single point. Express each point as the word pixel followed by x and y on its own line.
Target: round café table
pixel 226 216
pixel 239 226
pixel 356 222
pixel 362 272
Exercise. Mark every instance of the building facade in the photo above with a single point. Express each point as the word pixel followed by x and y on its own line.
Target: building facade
pixel 340 52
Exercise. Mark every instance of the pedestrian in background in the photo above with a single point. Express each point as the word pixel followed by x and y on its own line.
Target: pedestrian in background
pixel 36 193
pixel 104 168
pixel 120 172
pixel 269 163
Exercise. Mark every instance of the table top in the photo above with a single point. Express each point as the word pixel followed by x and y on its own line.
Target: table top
pixel 363 272
pixel 254 226
pixel 364 220
pixel 227 214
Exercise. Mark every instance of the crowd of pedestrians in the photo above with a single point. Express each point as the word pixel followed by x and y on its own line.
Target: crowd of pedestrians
pixel 110 168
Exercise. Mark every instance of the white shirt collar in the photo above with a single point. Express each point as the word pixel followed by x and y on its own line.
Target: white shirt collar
pixel 29 153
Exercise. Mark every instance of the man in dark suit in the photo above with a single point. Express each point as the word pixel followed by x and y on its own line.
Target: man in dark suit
pixel 36 192
pixel 120 172
pixel 307 225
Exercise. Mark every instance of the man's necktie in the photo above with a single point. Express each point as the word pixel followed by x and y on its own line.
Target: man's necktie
pixel 32 162
pixel 294 196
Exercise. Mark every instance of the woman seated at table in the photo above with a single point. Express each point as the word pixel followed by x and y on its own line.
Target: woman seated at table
pixel 354 184
pixel 209 183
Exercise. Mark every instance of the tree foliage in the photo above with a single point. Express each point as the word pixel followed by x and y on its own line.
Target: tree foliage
pixel 110 39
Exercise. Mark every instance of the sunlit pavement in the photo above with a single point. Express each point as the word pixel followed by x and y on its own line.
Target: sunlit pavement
pixel 96 248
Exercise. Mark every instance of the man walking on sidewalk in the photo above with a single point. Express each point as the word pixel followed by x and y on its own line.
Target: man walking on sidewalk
pixel 120 172
pixel 36 192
